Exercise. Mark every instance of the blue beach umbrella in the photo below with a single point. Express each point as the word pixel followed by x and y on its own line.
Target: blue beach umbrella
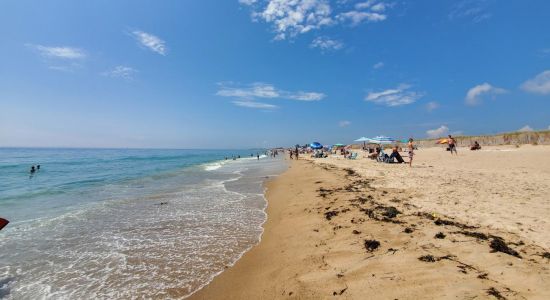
pixel 316 145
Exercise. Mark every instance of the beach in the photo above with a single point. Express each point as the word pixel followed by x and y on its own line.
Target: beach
pixel 468 226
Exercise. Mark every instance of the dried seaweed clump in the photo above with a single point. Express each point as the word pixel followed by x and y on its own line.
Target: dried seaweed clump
pixel 499 245
pixel 371 245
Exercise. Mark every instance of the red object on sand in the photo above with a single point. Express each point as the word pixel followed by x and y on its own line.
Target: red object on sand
pixel 3 223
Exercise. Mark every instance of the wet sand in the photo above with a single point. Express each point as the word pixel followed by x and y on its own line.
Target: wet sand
pixel 340 228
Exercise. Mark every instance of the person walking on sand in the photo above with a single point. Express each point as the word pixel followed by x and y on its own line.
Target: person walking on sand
pixel 452 145
pixel 296 152
pixel 290 152
pixel 410 146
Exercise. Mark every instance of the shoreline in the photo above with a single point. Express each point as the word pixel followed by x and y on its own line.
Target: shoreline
pixel 304 254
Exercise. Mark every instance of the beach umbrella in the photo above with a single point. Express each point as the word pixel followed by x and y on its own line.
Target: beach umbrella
pixel 316 145
pixel 363 139
pixel 338 145
pixel 442 141
pixel 382 140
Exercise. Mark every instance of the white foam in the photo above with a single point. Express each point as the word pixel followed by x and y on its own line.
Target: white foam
pixel 213 166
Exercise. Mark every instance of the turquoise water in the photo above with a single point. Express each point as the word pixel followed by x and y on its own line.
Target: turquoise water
pixel 125 223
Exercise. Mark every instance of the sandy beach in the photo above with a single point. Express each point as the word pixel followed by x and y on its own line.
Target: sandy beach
pixel 464 227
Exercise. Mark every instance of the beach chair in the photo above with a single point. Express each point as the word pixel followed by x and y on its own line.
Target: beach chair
pixel 353 155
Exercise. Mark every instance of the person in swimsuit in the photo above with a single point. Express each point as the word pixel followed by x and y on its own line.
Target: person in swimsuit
pixel 410 146
pixel 452 145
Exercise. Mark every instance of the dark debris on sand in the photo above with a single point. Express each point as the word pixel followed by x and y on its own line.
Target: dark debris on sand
pixel 427 258
pixel 495 293
pixel 408 230
pixel 371 245
pixel 499 245
pixel 440 222
pixel 546 255
pixel 330 214
pixel 440 235
pixel 340 292
pixel 477 235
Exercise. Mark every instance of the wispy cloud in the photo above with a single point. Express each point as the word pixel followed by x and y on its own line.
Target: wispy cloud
pixel 123 72
pixel 326 44
pixel 394 97
pixel 246 95
pixel 344 123
pixel 264 90
pixel 378 65
pixel 540 84
pixel 355 17
pixel 431 106
pixel 525 128
pixel 474 10
pixel 474 95
pixel 150 41
pixel 61 52
pixel 253 104
pixel 290 18
pixel 438 132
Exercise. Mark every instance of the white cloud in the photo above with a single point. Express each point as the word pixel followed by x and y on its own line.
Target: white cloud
pixel 61 52
pixel 364 5
pixel 357 17
pixel 474 95
pixel 304 96
pixel 438 132
pixel 247 2
pixel 474 10
pixel 344 123
pixel 394 97
pixel 378 65
pixel 248 93
pixel 539 85
pixel 121 72
pixel 252 104
pixel 326 44
pixel 525 128
pixel 290 18
pixel 431 106
pixel 293 17
pixel 150 41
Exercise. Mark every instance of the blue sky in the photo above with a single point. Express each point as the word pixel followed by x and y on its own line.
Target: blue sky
pixel 230 74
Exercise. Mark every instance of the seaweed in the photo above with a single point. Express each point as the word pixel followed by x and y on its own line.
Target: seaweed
pixel 389 212
pixel 340 292
pixel 495 293
pixel 371 245
pixel 440 222
pixel 408 230
pixel 545 255
pixel 477 235
pixel 330 214
pixel 356 232
pixel 440 235
pixel 427 258
pixel 499 245
pixel 482 276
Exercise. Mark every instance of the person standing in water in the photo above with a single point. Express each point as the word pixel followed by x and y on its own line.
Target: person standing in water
pixel 410 146
pixel 452 145
pixel 258 155
pixel 33 169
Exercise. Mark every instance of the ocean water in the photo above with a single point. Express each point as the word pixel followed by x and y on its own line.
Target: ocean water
pixel 105 223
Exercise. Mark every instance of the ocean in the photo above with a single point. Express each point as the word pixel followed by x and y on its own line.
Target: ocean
pixel 126 223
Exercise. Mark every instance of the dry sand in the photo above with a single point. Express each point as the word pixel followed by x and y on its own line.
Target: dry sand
pixel 327 216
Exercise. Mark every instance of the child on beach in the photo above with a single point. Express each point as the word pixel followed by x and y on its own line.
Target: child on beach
pixel 410 146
